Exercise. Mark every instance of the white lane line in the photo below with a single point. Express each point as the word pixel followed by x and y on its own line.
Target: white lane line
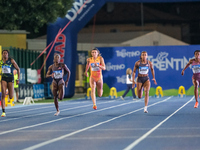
pixel 108 130
pixel 86 138
pixel 28 109
pixel 39 124
pixel 75 101
pixel 51 112
pixel 84 129
pixel 136 142
pixel 61 105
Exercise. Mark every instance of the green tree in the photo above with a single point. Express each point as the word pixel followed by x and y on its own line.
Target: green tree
pixel 31 15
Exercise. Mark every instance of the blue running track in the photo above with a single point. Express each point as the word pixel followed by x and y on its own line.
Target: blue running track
pixel 171 124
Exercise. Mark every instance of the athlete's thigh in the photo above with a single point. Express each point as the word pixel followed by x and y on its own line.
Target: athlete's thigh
pixel 147 85
pixel 99 84
pixel 3 87
pixel 55 88
pixel 195 82
pixel 139 89
pixel 92 83
pixel 10 89
pixel 139 86
pixel 61 88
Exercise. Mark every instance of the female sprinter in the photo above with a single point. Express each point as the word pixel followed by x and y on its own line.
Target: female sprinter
pixel 143 81
pixel 58 71
pixel 196 74
pixel 7 80
pixel 96 64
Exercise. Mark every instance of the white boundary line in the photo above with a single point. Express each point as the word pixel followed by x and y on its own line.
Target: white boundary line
pixel 74 101
pixel 19 106
pixel 52 112
pixel 84 129
pixel 132 145
pixel 68 104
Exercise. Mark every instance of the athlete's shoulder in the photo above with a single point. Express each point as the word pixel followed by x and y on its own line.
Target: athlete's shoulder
pixel 11 59
pixel 191 60
pixel 89 59
pixel 63 65
pixel 51 66
pixel 149 62
pixel 137 62
pixel 100 58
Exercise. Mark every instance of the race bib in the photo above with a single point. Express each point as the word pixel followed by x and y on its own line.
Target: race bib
pixel 6 69
pixel 196 69
pixel 95 68
pixel 143 70
pixel 58 74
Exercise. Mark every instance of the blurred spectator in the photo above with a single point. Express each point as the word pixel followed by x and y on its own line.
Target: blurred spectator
pixel 16 86
pixel 129 84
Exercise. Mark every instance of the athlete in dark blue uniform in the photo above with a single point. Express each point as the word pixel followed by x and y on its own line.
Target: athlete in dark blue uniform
pixel 7 80
pixel 59 70
pixel 143 82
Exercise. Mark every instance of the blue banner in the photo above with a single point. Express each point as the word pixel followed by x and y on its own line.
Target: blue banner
pixel 38 90
pixel 168 62
pixel 66 44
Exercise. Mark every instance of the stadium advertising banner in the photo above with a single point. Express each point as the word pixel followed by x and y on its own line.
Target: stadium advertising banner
pixel 32 75
pixel 25 90
pixel 31 90
pixel 168 62
pixel 38 91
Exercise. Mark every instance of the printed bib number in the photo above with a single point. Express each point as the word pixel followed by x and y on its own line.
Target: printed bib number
pixel 95 68
pixel 6 69
pixel 196 69
pixel 58 74
pixel 143 70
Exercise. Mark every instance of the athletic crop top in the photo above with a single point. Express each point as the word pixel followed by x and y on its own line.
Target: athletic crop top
pixel 95 70
pixel 7 68
pixel 195 67
pixel 58 71
pixel 143 68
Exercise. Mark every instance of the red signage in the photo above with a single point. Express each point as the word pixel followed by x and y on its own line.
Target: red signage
pixel 60 47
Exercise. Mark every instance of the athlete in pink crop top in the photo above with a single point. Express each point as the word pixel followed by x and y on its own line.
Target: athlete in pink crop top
pixel 196 74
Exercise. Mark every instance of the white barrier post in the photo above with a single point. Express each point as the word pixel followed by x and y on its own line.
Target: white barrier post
pixel 28 101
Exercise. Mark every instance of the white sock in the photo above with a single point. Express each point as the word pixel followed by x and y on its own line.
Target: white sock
pixel 145 107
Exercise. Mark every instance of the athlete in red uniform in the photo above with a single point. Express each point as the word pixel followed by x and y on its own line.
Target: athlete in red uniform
pixel 58 71
pixel 96 65
pixel 143 66
pixel 196 74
